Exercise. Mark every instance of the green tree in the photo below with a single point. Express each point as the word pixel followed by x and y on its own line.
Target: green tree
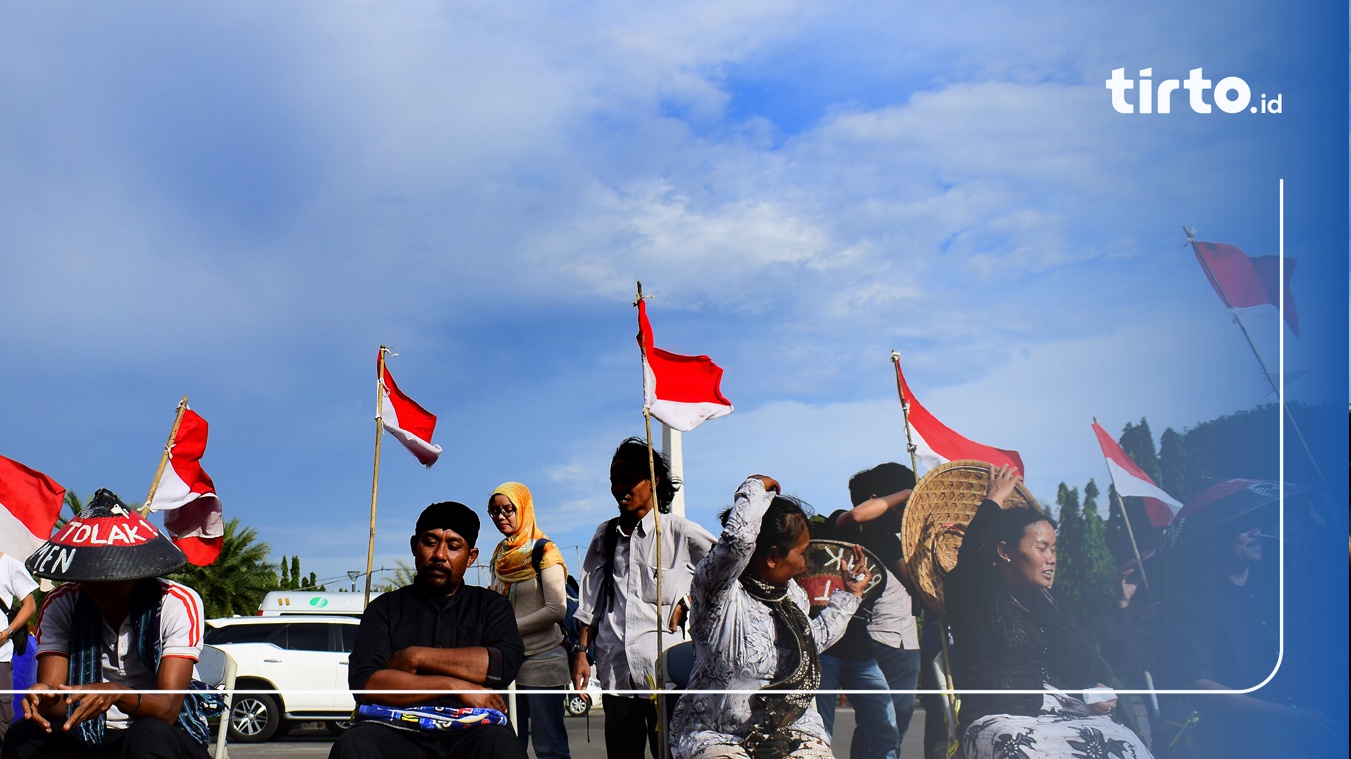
pixel 1174 468
pixel 1098 564
pixel 239 578
pixel 285 574
pixel 402 575
pixel 1069 581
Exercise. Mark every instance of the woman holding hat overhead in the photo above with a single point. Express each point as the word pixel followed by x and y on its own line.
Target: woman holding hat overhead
pixel 751 632
pixel 113 625
pixel 528 569
pixel 1010 634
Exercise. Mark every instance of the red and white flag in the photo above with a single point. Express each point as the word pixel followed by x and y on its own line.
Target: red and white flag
pixel 1244 281
pixel 936 443
pixel 186 495
pixel 409 423
pixel 1131 480
pixel 31 502
pixel 680 391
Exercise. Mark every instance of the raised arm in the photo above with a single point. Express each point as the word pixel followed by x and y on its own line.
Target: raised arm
pixel 732 552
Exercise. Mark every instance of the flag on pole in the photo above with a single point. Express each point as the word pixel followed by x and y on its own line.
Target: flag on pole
pixel 936 444
pixel 409 423
pixel 186 495
pixel 1244 281
pixel 31 503
pixel 1131 480
pixel 680 391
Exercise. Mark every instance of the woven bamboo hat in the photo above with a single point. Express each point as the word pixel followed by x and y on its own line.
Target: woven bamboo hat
pixel 107 541
pixel 941 506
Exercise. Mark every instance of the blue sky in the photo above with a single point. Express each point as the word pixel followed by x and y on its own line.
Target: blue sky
pixel 240 202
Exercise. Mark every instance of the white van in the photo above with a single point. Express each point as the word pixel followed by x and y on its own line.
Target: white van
pixel 281 603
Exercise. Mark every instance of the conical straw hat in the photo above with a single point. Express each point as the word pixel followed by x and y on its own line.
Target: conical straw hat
pixel 936 515
pixel 108 541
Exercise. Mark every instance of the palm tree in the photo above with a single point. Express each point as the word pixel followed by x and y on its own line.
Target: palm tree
pixel 403 575
pixel 237 581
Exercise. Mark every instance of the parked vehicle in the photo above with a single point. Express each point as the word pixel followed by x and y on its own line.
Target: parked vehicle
pixel 302 658
pixel 281 603
pixel 576 703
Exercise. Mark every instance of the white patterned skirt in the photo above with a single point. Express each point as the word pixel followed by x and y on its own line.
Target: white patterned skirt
pixel 1065 729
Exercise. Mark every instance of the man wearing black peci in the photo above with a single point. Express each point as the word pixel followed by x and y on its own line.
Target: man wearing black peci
pixel 437 634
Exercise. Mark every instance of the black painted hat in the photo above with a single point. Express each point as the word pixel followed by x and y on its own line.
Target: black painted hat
pixel 108 541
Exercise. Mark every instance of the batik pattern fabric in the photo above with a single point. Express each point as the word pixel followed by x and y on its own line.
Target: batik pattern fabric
pixel 1066 728
pixel 740 643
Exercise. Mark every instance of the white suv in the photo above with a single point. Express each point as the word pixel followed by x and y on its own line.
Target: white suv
pixel 302 658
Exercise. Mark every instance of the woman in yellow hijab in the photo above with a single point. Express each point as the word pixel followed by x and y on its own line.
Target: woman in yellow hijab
pixel 539 598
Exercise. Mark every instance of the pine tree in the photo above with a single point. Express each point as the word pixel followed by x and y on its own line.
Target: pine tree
pixel 285 575
pixel 1173 465
pixel 1099 568
pixel 1070 561
pixel 1138 443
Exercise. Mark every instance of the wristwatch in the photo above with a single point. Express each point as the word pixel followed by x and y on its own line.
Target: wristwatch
pixel 577 648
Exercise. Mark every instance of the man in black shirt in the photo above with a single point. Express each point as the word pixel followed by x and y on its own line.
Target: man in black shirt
pixel 437 634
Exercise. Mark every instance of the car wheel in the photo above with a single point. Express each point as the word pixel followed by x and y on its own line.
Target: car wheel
pixel 576 704
pixel 254 717
pixel 338 726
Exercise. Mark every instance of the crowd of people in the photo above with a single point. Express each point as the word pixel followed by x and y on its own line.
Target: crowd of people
pixel 432 661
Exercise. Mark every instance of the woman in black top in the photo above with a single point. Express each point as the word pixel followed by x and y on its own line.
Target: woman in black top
pixel 1009 633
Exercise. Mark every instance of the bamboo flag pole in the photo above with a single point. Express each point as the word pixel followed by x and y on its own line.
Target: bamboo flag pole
pixel 1279 390
pixel 659 681
pixel 375 476
pixel 1130 531
pixel 164 458
pixel 905 410
pixel 943 626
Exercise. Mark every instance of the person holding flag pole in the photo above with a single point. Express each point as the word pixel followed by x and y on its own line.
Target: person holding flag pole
pixel 619 610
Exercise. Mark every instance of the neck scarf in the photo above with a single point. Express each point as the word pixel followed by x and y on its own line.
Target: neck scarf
pixel 785 700
pixel 86 660
pixel 512 560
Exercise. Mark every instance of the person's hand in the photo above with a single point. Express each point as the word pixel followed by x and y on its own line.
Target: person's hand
pixel 40 697
pixel 404 660
pixel 581 670
pixel 771 484
pixel 484 699
pixel 88 701
pixel 677 616
pixel 1002 482
pixel 1102 707
pixel 856 575
pixel 1126 588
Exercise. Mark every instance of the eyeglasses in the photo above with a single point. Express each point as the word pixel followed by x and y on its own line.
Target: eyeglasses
pixel 496 510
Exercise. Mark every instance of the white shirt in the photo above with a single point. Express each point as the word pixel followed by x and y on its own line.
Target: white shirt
pixel 15 585
pixel 626 636
pixel 180 635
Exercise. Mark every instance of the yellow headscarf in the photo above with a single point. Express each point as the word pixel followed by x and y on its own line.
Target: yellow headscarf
pixel 511 558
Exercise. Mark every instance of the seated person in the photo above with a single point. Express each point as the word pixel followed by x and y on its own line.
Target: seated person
pixel 114 624
pixel 751 633
pixel 437 634
pixel 1011 634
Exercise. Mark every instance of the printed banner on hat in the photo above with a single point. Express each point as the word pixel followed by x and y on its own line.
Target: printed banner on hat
pixel 31 503
pixel 186 495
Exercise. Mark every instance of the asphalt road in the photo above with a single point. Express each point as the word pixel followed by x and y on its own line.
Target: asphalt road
pixel 312 740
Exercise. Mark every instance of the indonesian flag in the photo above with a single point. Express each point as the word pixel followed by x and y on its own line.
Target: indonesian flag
pixel 936 444
pixel 408 422
pixel 186 495
pixel 1131 480
pixel 1244 281
pixel 681 391
pixel 31 503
